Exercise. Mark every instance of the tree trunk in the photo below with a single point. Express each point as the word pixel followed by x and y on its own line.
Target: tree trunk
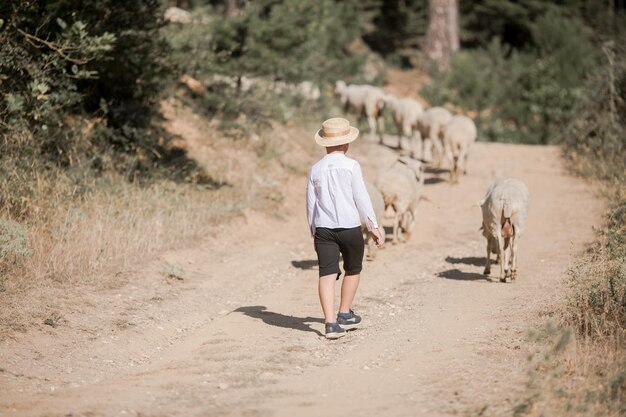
pixel 442 35
pixel 182 4
pixel 232 8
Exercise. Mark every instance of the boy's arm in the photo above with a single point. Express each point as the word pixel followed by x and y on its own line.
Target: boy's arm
pixel 310 203
pixel 362 199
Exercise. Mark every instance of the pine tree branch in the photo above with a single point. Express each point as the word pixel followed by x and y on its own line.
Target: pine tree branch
pixel 59 50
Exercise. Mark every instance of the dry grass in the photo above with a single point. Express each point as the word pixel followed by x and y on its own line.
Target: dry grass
pixel 114 227
pixel 117 227
pixel 574 378
pixel 586 376
pixel 81 234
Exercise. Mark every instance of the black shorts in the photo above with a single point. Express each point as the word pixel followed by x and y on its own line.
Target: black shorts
pixel 329 243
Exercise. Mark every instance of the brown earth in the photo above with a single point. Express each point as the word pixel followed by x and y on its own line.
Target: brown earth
pixel 236 328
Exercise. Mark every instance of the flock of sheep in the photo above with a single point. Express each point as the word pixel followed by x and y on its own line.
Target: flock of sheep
pixel 449 137
pixel 398 188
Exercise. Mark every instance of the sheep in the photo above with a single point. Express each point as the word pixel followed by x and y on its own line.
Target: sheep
pixel 401 187
pixel 458 136
pixel 177 15
pixel 504 211
pixel 379 210
pixel 430 126
pixel 306 89
pixel 406 113
pixel 365 100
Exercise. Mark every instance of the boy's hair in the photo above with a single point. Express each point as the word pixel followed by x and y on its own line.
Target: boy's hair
pixel 343 148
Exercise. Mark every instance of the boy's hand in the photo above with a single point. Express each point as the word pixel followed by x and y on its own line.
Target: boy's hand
pixel 378 239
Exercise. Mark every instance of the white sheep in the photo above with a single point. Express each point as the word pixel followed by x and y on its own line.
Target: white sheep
pixel 177 15
pixel 458 136
pixel 379 210
pixel 504 210
pixel 401 187
pixel 406 113
pixel 306 89
pixel 430 126
pixel 365 100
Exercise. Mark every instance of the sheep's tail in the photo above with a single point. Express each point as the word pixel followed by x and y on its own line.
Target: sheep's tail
pixel 381 104
pixel 507 210
pixel 507 227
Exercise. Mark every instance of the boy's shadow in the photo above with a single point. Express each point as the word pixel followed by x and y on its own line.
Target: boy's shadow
pixel 280 320
pixel 305 264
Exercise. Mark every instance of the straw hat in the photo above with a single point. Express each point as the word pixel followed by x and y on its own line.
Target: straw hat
pixel 336 131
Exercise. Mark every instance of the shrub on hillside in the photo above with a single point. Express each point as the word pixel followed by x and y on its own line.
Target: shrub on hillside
pixel 595 145
pixel 522 95
pixel 61 59
pixel 279 40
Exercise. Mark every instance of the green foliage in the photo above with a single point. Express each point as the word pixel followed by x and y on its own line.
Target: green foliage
pixel 512 21
pixel 13 240
pixel 41 86
pixel 60 60
pixel 595 140
pixel 522 96
pixel 398 29
pixel 78 79
pixel 279 40
pixel 245 60
pixel 596 146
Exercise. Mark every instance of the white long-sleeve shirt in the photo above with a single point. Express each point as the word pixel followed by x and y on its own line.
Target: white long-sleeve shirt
pixel 336 195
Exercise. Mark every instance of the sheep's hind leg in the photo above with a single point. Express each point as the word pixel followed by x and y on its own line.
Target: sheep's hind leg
pixel 396 228
pixel 371 121
pixel 437 146
pixel 400 131
pixel 371 250
pixel 502 254
pixel 381 128
pixel 406 133
pixel 406 225
pixel 465 163
pixel 418 145
pixel 488 263
pixel 506 261
pixel 454 170
pixel 513 258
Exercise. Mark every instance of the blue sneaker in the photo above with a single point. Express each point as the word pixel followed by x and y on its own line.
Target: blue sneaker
pixel 334 331
pixel 348 321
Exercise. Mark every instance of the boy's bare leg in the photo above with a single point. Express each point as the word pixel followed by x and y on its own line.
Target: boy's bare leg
pixel 348 290
pixel 327 297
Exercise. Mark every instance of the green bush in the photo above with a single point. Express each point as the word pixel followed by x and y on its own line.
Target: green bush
pixel 596 147
pixel 522 95
pixel 269 42
pixel 276 39
pixel 13 240
pixel 398 29
pixel 62 61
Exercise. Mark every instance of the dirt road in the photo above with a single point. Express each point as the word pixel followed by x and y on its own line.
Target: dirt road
pixel 240 334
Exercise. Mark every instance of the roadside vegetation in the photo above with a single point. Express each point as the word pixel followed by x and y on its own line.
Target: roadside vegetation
pixel 580 367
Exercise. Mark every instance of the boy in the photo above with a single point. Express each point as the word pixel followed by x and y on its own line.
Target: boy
pixel 336 195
